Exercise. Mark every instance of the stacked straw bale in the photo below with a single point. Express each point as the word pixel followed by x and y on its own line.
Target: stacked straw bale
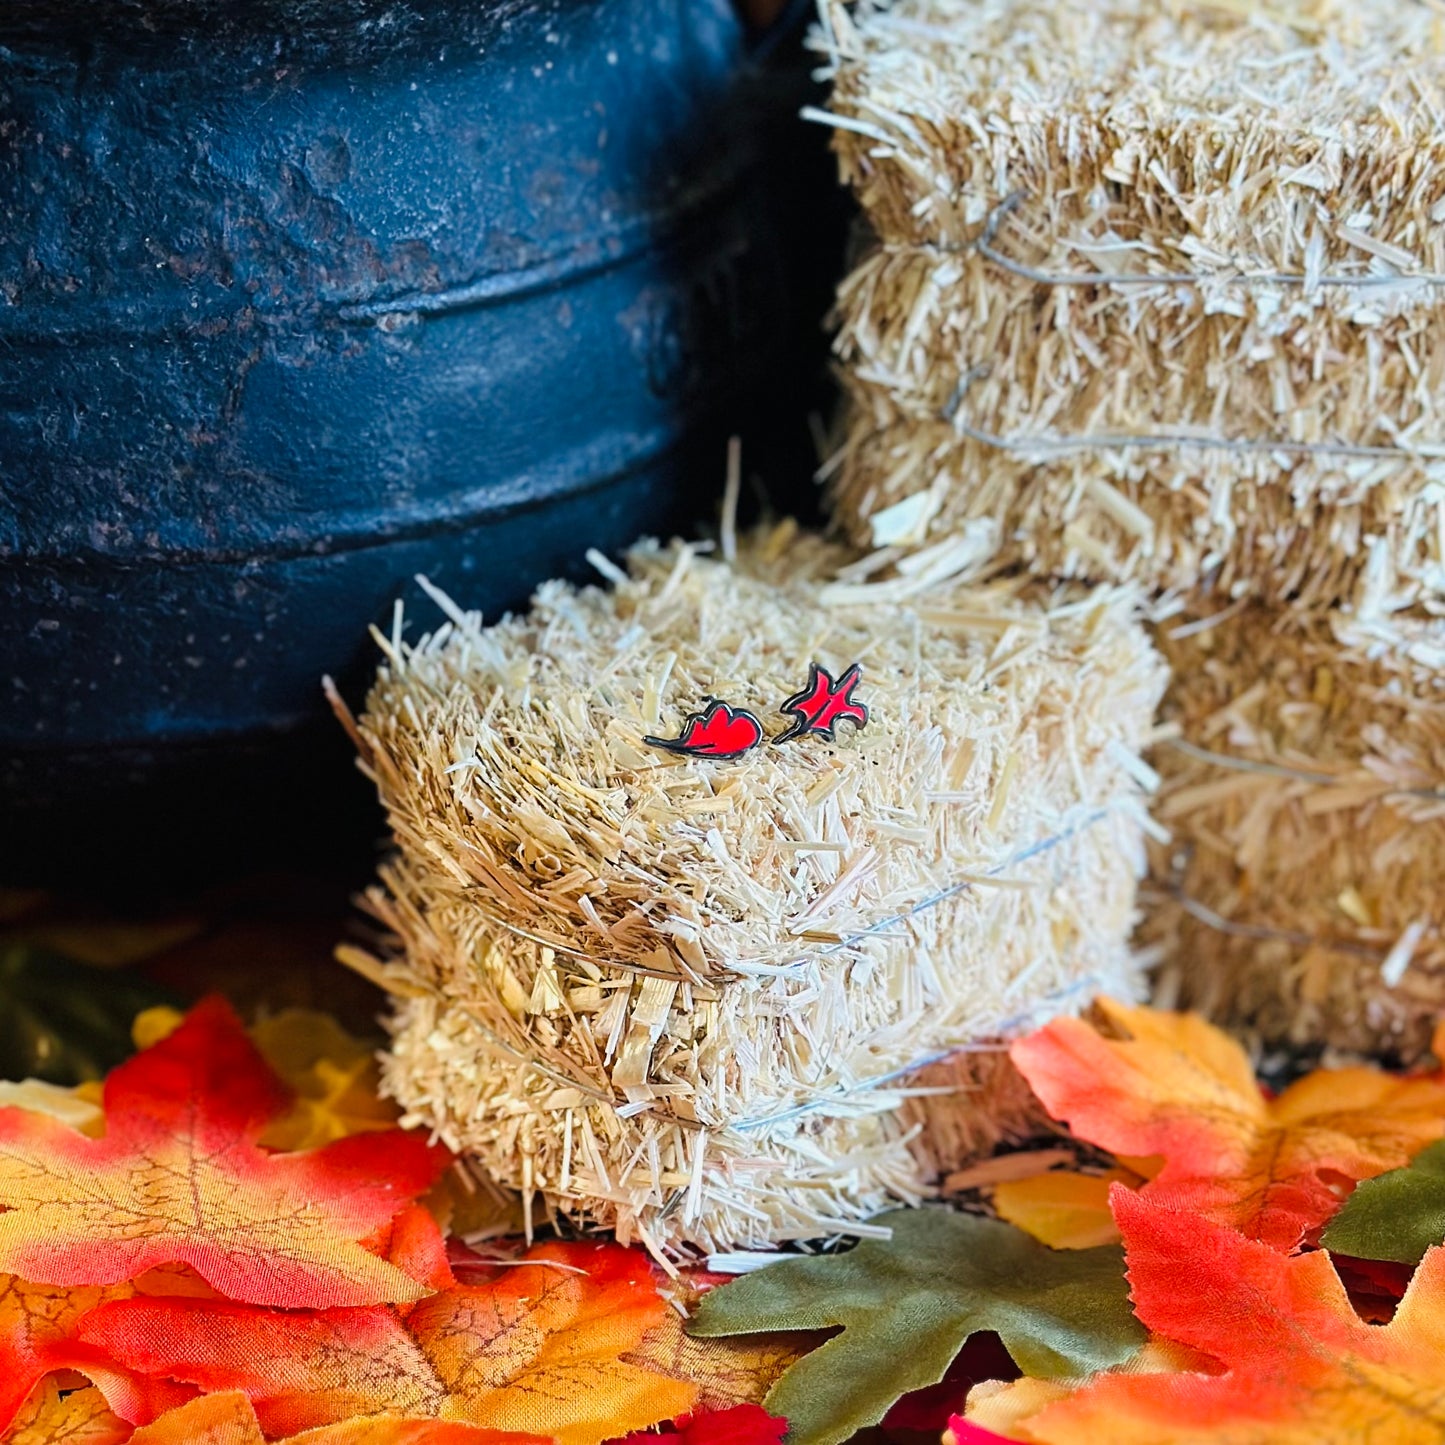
pixel 1155 293
pixel 1305 787
pixel 1108 233
pixel 690 1000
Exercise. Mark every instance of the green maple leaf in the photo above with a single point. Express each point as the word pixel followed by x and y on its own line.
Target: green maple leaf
pixel 907 1305
pixel 1396 1216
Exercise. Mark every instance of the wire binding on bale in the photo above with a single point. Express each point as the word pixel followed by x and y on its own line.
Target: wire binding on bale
pixel 1156 292
pixel 713 1004
pixel 1304 787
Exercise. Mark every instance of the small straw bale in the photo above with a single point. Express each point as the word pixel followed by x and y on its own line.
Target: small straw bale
pixel 692 1000
pixel 1155 291
pixel 1304 785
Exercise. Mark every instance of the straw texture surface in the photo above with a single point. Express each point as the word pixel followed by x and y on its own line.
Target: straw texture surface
pixel 690 999
pixel 1301 896
pixel 1155 292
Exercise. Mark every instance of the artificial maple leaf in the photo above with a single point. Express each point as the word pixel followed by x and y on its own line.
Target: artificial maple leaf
pixel 76 1106
pixel 1297 1365
pixel 965 1432
pixel 1003 1406
pixel 178 1178
pixel 906 1306
pixel 1397 1216
pixel 540 1348
pixel 413 1243
pixel 335 1077
pixel 1064 1208
pixel 224 1419
pixel 75 1417
pixel 1179 1088
pixel 736 1370
pixel 228 1418
pixel 391 1430
pixel 737 1425
pixel 38 1337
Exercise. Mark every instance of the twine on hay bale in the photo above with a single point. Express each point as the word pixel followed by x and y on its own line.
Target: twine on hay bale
pixel 690 1000
pixel 1156 292
pixel 1305 790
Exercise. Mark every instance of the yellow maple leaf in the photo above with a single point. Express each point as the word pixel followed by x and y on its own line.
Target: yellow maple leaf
pixel 224 1419
pixel 1065 1208
pixel 228 1418
pixel 336 1079
pixel 77 1417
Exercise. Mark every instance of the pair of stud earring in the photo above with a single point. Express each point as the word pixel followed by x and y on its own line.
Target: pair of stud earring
pixel 723 731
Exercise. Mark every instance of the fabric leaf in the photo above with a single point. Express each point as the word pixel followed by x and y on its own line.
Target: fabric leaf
pixel 906 1306
pixel 71 1106
pixel 77 1417
pixel 1179 1088
pixel 37 1338
pixel 389 1430
pixel 1064 1208
pixel 177 1177
pixel 1396 1216
pixel 736 1370
pixel 336 1080
pixel 228 1418
pixel 737 1425
pixel 1297 1365
pixel 225 1419
pixel 539 1349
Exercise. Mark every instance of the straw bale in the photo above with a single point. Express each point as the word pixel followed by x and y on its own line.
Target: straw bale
pixel 1156 291
pixel 690 1000
pixel 1305 790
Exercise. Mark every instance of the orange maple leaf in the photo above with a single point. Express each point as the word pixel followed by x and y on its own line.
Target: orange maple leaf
pixel 37 1338
pixel 178 1177
pixel 225 1419
pixel 1178 1088
pixel 1299 1366
pixel 539 1348
pixel 390 1430
pixel 228 1418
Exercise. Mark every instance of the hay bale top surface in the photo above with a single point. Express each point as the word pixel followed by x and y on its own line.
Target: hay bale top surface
pixel 513 755
pixel 1210 124
pixel 1325 69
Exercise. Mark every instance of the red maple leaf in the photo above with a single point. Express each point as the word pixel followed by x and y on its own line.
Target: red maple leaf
pixel 178 1177
pixel 741 1425
pixel 718 732
pixel 824 703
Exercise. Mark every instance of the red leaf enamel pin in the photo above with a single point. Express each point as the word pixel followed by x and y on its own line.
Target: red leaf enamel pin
pixel 719 731
pixel 824 703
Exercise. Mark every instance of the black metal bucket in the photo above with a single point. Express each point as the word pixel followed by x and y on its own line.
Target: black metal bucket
pixel 298 300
